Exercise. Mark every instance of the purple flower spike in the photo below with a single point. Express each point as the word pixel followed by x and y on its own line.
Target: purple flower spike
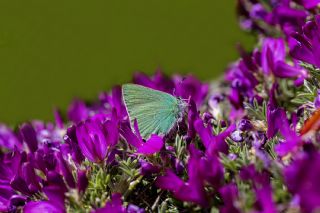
pixel 29 136
pixel 153 145
pixel 96 138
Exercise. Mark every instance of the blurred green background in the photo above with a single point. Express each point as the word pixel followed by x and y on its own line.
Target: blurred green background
pixel 52 51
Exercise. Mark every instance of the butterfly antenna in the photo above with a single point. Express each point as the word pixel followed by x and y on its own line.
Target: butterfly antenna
pixel 174 92
pixel 189 99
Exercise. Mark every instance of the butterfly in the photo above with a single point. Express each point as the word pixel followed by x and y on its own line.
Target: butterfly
pixel 156 112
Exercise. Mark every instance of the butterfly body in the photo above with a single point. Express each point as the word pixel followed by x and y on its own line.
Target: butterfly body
pixel 156 112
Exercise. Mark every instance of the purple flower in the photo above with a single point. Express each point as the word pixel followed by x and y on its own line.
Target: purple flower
pixel 42 206
pixel 189 191
pixel 58 119
pixel 273 61
pixel 290 19
pixel 193 114
pixel 96 138
pixel 132 139
pixel 9 165
pixel 265 17
pixel 214 144
pixel 277 121
pixel 56 195
pixel 8 139
pixel 29 136
pixel 134 209
pixel 78 111
pixel 6 192
pixel 244 125
pixel 114 101
pixel 153 145
pixel 190 88
pixel 273 50
pixel 112 206
pixel 200 169
pixel 147 168
pixel 64 169
pixel 71 139
pixel 229 194
pixel 258 12
pixel 242 81
pixel 309 4
pixel 210 168
pixel 236 136
pixel 302 177
pixel 317 100
pixel 159 81
pixel 82 181
pixel 262 187
pixel 305 46
pixel 183 191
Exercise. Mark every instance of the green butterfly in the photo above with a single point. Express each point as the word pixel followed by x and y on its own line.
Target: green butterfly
pixel 156 112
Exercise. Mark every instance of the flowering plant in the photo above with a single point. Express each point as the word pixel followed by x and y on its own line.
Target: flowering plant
pixel 249 143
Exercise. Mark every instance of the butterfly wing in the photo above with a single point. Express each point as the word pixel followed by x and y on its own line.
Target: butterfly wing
pixel 156 112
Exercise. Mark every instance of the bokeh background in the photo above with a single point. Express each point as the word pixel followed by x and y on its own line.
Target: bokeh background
pixel 52 51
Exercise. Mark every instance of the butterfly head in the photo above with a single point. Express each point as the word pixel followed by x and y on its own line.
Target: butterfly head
pixel 182 107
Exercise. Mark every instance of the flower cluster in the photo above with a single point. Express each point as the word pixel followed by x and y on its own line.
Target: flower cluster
pixel 249 143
